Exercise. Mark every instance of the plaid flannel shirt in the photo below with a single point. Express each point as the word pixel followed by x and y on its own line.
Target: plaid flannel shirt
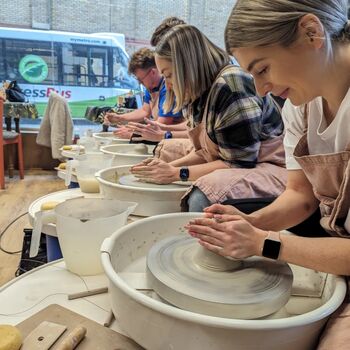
pixel 238 120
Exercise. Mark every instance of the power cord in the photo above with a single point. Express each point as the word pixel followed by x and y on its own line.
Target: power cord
pixel 4 231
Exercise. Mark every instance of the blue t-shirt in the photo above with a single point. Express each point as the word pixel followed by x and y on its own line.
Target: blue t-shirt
pixel 162 95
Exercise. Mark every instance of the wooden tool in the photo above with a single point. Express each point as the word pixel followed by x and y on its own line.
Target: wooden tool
pixel 87 293
pixel 43 336
pixel 109 319
pixel 71 341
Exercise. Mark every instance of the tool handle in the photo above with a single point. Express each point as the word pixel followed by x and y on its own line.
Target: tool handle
pixel 72 339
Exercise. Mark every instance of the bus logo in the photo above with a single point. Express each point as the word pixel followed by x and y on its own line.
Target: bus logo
pixel 33 68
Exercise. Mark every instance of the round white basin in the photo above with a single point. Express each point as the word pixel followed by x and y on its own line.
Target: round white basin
pixel 152 199
pixel 128 154
pixel 157 325
pixel 107 138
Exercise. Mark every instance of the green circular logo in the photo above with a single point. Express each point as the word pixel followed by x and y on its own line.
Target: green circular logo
pixel 33 68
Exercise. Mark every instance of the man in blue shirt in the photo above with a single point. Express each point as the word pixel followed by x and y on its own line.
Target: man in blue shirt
pixel 142 65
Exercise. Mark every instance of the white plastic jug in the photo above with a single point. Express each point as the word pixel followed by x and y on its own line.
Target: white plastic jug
pixel 86 165
pixel 82 224
pixel 88 142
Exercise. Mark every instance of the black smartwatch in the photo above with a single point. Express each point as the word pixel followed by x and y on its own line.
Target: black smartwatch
pixel 272 246
pixel 184 173
pixel 168 135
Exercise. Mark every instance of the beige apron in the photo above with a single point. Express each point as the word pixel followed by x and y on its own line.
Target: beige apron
pixel 172 149
pixel 267 179
pixel 329 175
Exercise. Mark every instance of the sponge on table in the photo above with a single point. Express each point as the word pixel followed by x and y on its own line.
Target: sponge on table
pixel 10 338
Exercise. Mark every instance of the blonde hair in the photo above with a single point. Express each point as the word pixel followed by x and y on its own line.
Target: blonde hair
pixel 269 22
pixel 195 60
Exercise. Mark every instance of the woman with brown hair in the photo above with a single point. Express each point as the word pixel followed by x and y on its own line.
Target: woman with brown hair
pixel 237 136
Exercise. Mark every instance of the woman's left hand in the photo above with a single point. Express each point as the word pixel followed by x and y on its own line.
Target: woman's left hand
pixel 236 238
pixel 155 171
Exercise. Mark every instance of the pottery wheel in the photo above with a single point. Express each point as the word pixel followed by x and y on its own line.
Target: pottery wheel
pixel 249 289
pixel 131 180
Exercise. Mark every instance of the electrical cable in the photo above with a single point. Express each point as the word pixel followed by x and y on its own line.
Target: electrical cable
pixel 3 233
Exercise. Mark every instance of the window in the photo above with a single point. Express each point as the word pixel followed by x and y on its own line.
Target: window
pixel 121 77
pixel 98 73
pixel 84 65
pixel 29 61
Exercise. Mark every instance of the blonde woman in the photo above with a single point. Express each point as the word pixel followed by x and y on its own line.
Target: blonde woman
pixel 268 38
pixel 237 136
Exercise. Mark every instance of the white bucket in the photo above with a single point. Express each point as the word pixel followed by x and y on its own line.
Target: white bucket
pixel 128 154
pixel 82 224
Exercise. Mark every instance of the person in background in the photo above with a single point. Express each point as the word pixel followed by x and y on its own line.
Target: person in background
pixel 142 66
pixel 164 27
pixel 173 142
pixel 267 38
pixel 237 136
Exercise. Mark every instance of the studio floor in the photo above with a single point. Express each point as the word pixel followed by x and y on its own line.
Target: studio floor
pixel 15 201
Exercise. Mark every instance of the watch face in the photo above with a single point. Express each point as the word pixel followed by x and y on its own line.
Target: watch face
pixel 271 249
pixel 184 174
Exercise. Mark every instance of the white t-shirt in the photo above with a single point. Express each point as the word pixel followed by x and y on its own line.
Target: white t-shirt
pixel 322 139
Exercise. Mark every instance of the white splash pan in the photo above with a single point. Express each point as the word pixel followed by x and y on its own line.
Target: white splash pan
pixel 107 138
pixel 151 199
pixel 156 325
pixel 128 154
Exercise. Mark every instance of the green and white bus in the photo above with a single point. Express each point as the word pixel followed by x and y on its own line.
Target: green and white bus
pixel 86 69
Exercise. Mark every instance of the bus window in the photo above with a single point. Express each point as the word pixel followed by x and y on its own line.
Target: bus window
pixel 75 65
pixel 121 77
pixel 2 60
pixel 98 67
pixel 84 66
pixel 30 61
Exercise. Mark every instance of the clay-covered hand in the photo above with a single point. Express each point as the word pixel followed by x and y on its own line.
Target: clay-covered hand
pixel 223 213
pixel 113 118
pixel 155 171
pixel 123 132
pixel 150 131
pixel 236 238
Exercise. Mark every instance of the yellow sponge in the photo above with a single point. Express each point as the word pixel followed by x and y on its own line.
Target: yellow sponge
pixel 48 206
pixel 62 166
pixel 10 338
pixel 67 148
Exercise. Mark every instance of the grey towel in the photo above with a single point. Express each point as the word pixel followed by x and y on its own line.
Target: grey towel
pixel 56 128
